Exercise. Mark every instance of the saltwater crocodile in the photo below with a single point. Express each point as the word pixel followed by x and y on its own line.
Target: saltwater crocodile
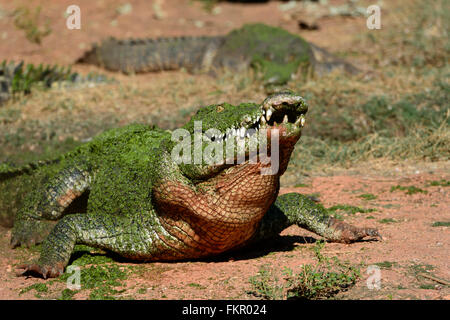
pixel 16 78
pixel 274 52
pixel 150 196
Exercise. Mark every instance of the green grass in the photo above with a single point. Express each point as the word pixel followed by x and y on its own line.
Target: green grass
pixel 440 183
pixel 418 268
pixel 387 220
pixel 367 196
pixel 427 286
pixel 320 281
pixel 196 285
pixel 409 189
pixel 39 287
pixel 67 294
pixel 441 224
pixel 265 284
pixel 385 264
pixel 301 185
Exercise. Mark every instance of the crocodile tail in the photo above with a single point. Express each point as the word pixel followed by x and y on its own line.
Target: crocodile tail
pixel 8 172
pixel 15 182
pixel 148 55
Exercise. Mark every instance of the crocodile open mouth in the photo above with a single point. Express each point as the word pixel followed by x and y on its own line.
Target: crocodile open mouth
pixel 283 111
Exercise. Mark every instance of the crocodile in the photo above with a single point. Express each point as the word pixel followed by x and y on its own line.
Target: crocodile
pixel 274 52
pixel 149 196
pixel 17 78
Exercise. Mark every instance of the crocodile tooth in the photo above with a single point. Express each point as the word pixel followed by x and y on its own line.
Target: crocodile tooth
pixel 269 114
pixel 242 132
pixel 263 120
pixel 285 119
pixel 302 121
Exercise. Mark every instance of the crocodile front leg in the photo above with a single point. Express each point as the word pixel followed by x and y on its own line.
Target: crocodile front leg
pixel 41 208
pixel 135 237
pixel 295 208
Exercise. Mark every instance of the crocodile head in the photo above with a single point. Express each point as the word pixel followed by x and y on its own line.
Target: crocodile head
pixel 222 201
pixel 223 136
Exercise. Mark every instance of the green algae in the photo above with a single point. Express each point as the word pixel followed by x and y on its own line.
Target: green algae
pixel 273 52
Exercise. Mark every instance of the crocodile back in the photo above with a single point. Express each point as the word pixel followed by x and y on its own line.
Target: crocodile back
pixel 146 55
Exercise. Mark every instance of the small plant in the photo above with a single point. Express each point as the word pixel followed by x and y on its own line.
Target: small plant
pixel 440 183
pixel 419 268
pixel 409 190
pixel 196 285
pixel 301 185
pixel 441 224
pixel 385 264
pixel 39 287
pixel 427 286
pixel 323 280
pixel 266 284
pixel 320 281
pixel 67 294
pixel 28 20
pixel 387 220
pixel 367 196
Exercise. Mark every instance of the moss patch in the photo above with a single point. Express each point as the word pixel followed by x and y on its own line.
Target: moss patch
pixel 273 52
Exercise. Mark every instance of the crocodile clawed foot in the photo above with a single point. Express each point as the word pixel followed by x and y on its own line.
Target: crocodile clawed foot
pixel 348 233
pixel 38 270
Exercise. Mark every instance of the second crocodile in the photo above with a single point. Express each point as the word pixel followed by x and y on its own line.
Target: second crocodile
pixel 274 52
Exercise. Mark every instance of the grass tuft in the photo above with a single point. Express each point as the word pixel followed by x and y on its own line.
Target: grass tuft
pixel 409 190
pixel 323 280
